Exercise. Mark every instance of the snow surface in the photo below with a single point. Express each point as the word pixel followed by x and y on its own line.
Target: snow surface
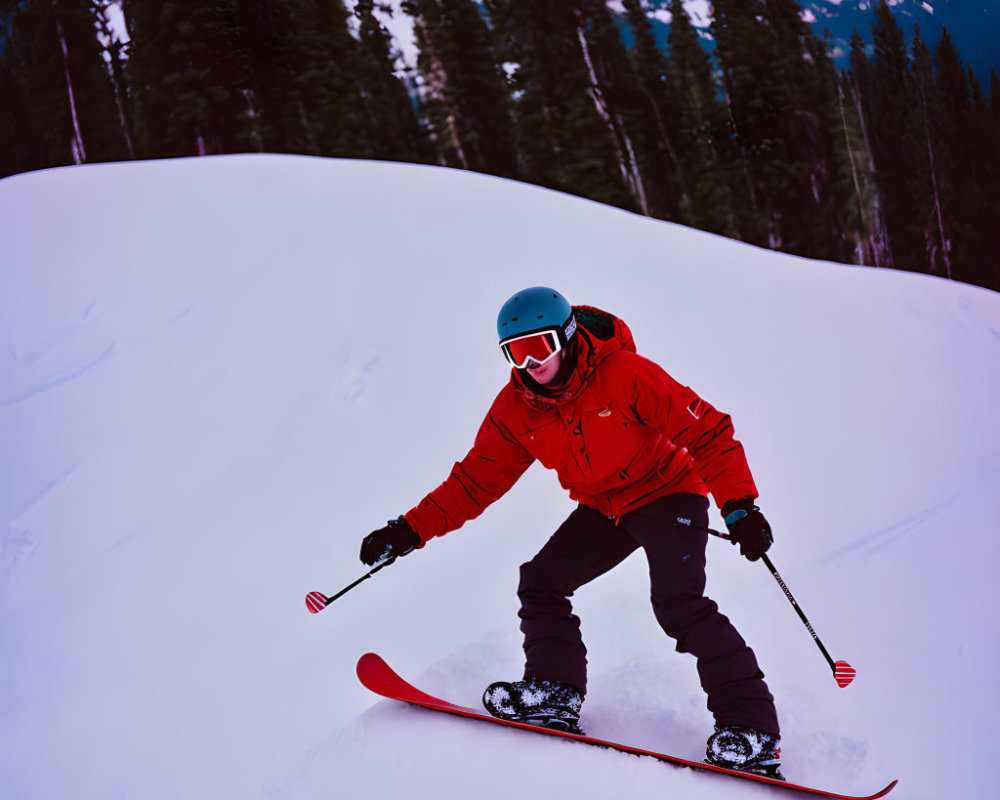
pixel 216 375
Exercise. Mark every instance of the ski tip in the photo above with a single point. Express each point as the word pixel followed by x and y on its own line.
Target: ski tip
pixel 883 793
pixel 843 673
pixel 315 602
pixel 371 665
pixel 370 658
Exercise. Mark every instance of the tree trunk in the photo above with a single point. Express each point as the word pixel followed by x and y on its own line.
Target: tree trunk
pixel 945 243
pixel 252 115
pixel 862 243
pixel 627 162
pixel 79 151
pixel 879 234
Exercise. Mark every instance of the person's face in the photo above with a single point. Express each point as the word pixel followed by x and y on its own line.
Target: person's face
pixel 546 373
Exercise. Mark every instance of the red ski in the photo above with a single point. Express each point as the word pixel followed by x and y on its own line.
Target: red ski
pixel 378 676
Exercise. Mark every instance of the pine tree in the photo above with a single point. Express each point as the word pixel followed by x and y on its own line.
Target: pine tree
pixel 855 209
pixel 618 98
pixel 870 205
pixel 536 131
pixel 115 57
pixel 392 127
pixel 892 108
pixel 563 141
pixel 836 169
pixel 58 104
pixel 704 141
pixel 237 75
pixel 659 117
pixel 965 161
pixel 938 240
pixel 976 88
pixel 313 88
pixel 985 256
pixel 13 104
pixel 465 93
pixel 266 37
pixel 745 45
pixel 324 94
pixel 994 95
pixel 811 125
pixel 187 74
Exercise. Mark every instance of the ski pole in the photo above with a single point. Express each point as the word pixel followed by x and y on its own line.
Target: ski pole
pixel 317 601
pixel 843 673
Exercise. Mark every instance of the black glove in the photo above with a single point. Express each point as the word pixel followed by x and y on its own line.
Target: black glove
pixel 394 540
pixel 747 528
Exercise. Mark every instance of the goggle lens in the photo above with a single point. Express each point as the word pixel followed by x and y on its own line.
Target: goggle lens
pixel 536 347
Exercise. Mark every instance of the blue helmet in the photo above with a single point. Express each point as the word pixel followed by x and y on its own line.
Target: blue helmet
pixel 536 309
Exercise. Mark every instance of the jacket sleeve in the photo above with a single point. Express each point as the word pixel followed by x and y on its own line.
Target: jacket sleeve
pixel 490 469
pixel 695 425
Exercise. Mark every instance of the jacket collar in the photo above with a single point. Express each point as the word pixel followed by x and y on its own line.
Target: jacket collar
pixel 598 335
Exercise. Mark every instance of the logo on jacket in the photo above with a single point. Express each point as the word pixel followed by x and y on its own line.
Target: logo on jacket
pixel 697 408
pixel 604 413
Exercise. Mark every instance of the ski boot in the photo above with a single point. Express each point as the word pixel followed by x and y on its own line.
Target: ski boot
pixel 547 704
pixel 745 750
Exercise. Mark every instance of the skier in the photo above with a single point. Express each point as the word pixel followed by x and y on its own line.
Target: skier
pixel 640 453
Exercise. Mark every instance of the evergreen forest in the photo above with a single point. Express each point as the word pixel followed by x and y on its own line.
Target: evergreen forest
pixel 893 162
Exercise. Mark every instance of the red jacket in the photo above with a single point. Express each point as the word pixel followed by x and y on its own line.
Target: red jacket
pixel 619 432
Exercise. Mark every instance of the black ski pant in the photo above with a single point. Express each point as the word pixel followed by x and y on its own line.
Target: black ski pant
pixel 587 545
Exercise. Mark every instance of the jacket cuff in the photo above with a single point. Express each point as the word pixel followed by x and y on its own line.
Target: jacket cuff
pixel 734 510
pixel 408 519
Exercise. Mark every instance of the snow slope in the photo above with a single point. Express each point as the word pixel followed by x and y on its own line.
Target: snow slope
pixel 217 374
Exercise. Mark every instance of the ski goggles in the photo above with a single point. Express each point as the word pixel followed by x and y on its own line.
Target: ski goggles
pixel 536 348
